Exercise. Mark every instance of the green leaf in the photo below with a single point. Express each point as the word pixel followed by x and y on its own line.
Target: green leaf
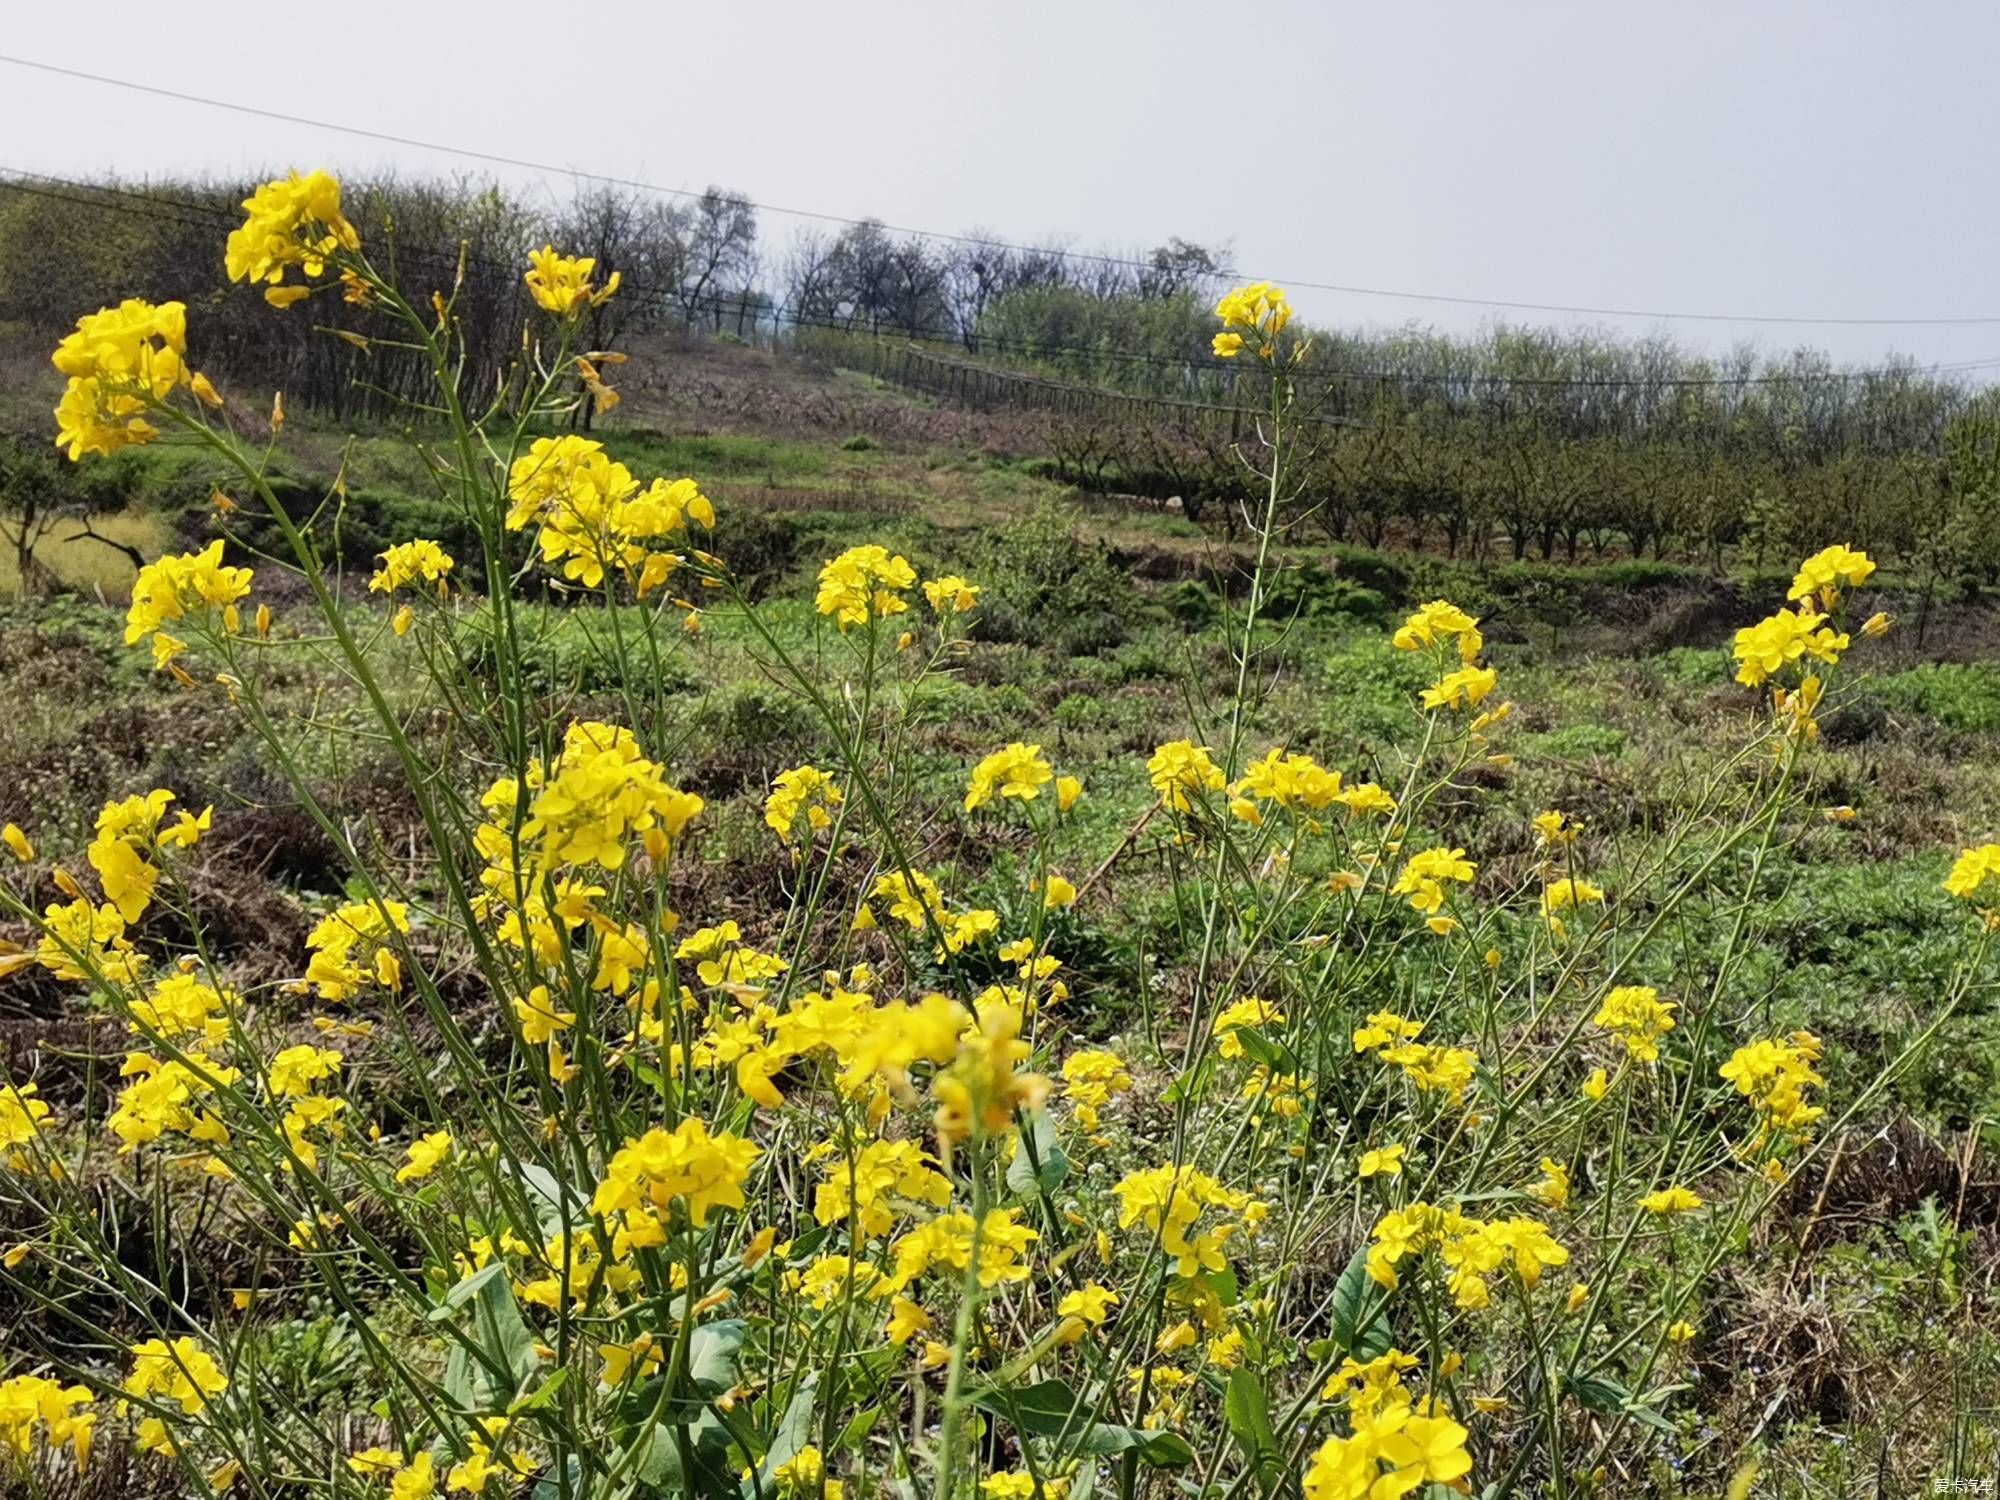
pixel 1163 1450
pixel 487 1380
pixel 662 1469
pixel 1489 1195
pixel 1248 1412
pixel 1191 1084
pixel 541 1396
pixel 1048 1408
pixel 1039 1163
pixel 794 1432
pixel 715 1351
pixel 1599 1393
pixel 1646 1416
pixel 1262 1049
pixel 1359 1318
pixel 1602 1394
pixel 1051 1409
pixel 546 1193
pixel 550 1486
pixel 863 1424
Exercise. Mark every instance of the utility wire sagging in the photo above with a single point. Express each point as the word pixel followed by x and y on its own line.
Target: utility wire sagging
pixel 1295 282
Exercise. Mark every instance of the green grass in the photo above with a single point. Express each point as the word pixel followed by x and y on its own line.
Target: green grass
pixel 733 456
pixel 1963 697
pixel 1853 937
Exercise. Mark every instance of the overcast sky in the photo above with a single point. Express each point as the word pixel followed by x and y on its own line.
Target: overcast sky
pixel 1757 157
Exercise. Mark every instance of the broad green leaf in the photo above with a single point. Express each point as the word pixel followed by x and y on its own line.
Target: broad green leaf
pixel 1602 1394
pixel 714 1352
pixel 714 1355
pixel 1359 1318
pixel 1040 1162
pixel 662 1470
pixel 550 1486
pixel 1248 1412
pixel 489 1379
pixel 1051 1409
pixel 1599 1393
pixel 1191 1084
pixel 546 1193
pixel 794 1432
pixel 1272 1054
pixel 863 1424
pixel 541 1395
pixel 1646 1416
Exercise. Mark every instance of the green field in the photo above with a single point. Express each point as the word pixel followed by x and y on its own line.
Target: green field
pixel 1849 1334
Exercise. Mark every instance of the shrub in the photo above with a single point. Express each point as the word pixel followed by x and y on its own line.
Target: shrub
pixel 1042 583
pixel 1316 593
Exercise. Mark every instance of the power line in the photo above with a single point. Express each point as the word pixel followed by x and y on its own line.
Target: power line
pixel 195 213
pixel 1099 258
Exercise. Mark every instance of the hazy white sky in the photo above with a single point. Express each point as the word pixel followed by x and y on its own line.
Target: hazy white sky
pixel 1762 156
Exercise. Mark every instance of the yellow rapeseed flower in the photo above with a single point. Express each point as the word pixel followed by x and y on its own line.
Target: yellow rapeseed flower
pixel 561 284
pixel 293 221
pixel 1671 1200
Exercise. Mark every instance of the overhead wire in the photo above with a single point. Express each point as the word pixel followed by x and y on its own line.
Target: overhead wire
pixel 496 158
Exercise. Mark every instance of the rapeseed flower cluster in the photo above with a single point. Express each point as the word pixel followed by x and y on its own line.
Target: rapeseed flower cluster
pixel 354 946
pixel 1181 771
pixel 1637 1016
pixel 1431 1069
pixel 294 221
pixel 1427 875
pixel 865 583
pixel 802 792
pixel 1018 773
pixel 37 1412
pixel 1261 311
pixel 1783 638
pixel 594 518
pixel 178 1374
pixel 561 284
pixel 1168 1202
pixel 646 1177
pixel 22 1118
pixel 1394 1446
pixel 121 364
pixel 1773 1075
pixel 1470 1250
pixel 407 563
pixel 194 589
pixel 1975 878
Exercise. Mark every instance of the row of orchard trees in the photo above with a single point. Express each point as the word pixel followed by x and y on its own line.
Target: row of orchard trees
pixel 1543 443
pixel 1491 482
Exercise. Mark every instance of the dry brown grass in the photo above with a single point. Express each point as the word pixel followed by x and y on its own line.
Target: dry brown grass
pixel 74 561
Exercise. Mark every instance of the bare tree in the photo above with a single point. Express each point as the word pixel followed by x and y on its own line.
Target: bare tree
pixel 718 234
